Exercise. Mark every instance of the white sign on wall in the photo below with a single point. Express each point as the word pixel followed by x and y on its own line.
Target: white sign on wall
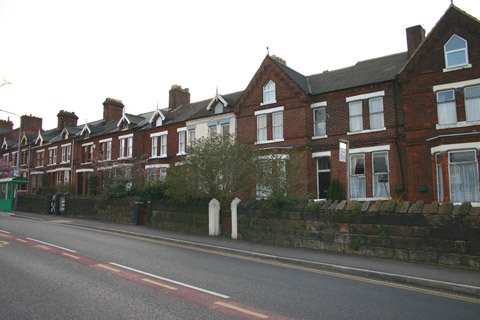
pixel 343 152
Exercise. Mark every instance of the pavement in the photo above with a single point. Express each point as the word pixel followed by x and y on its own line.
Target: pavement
pixel 447 279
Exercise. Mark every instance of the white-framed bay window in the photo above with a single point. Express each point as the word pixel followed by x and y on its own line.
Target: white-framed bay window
pixel 126 146
pixel 182 136
pixel 463 175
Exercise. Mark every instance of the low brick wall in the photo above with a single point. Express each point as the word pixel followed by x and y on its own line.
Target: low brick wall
pixel 189 218
pixel 445 234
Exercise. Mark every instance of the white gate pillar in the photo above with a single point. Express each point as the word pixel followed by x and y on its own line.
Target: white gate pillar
pixel 214 217
pixel 234 206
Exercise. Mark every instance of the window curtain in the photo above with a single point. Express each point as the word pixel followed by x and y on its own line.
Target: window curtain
pixel 472 103
pixel 357 177
pixel 356 120
pixel 381 181
pixel 376 113
pixel 464 182
pixel 319 123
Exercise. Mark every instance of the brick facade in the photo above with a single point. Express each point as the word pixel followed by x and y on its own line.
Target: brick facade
pixel 385 107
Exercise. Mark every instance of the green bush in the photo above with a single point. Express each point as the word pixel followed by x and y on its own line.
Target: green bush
pixel 335 191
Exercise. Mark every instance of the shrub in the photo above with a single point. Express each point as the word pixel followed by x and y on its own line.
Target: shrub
pixel 335 191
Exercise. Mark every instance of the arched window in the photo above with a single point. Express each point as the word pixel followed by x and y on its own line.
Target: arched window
pixel 269 92
pixel 456 52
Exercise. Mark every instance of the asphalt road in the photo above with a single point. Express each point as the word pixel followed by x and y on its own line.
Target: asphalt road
pixel 77 273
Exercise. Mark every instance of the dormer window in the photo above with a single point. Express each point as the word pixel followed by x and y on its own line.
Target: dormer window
pixel 456 52
pixel 125 125
pixel 158 122
pixel 269 92
pixel 219 108
pixel 65 136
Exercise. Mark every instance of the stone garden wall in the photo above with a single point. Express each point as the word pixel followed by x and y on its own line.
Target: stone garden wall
pixel 189 218
pixel 432 233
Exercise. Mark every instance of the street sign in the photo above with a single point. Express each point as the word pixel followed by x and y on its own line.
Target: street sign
pixel 16 173
pixel 343 152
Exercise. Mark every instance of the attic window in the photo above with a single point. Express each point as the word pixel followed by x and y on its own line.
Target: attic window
pixel 269 92
pixel 456 52
pixel 65 135
pixel 125 125
pixel 158 122
pixel 219 108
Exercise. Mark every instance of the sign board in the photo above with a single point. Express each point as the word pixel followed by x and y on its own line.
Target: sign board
pixel 343 152
pixel 16 173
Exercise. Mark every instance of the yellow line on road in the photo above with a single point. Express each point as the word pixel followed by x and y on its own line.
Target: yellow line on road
pixel 42 246
pixel 107 267
pixel 21 240
pixel 2 243
pixel 159 284
pixel 252 313
pixel 289 266
pixel 70 255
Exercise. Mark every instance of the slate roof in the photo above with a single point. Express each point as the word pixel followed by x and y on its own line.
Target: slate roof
pixel 362 73
pixel 231 99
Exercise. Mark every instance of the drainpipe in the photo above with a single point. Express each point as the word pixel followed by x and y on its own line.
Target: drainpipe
pixel 397 144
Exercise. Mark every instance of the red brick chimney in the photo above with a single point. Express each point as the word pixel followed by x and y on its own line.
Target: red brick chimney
pixel 30 124
pixel 178 96
pixel 7 124
pixel 66 119
pixel 112 109
pixel 415 36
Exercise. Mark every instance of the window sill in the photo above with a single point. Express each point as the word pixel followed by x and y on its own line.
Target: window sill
pixel 181 154
pixel 163 156
pixel 105 160
pixel 89 162
pixel 365 131
pixel 269 141
pixel 38 167
pixel 319 137
pixel 124 158
pixel 460 124
pixel 268 102
pixel 465 66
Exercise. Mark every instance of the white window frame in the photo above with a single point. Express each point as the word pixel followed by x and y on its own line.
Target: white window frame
pixel 317 134
pixel 262 128
pixel 181 142
pixel 154 147
pixel 277 124
pixel 356 116
pixel 191 137
pixel 447 103
pixel 374 175
pixel 163 145
pixel 438 170
pixel 462 65
pixel 374 113
pixel 468 104
pixel 360 176
pixel 54 156
pixel 269 88
pixel 450 173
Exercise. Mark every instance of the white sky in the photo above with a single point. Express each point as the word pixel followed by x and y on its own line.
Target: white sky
pixel 71 55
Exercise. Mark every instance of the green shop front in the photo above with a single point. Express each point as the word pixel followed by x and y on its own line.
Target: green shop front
pixel 7 189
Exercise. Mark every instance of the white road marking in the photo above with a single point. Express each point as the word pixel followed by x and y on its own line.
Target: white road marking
pixel 52 245
pixel 172 281
pixel 3 231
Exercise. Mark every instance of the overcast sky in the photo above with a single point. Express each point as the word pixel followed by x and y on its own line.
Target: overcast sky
pixel 71 55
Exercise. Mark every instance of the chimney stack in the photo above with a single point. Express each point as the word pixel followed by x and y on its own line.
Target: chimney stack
pixel 30 124
pixel 178 96
pixel 415 36
pixel 66 119
pixel 7 124
pixel 276 58
pixel 112 109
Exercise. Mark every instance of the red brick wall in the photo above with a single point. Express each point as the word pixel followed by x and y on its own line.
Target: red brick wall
pixel 425 70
